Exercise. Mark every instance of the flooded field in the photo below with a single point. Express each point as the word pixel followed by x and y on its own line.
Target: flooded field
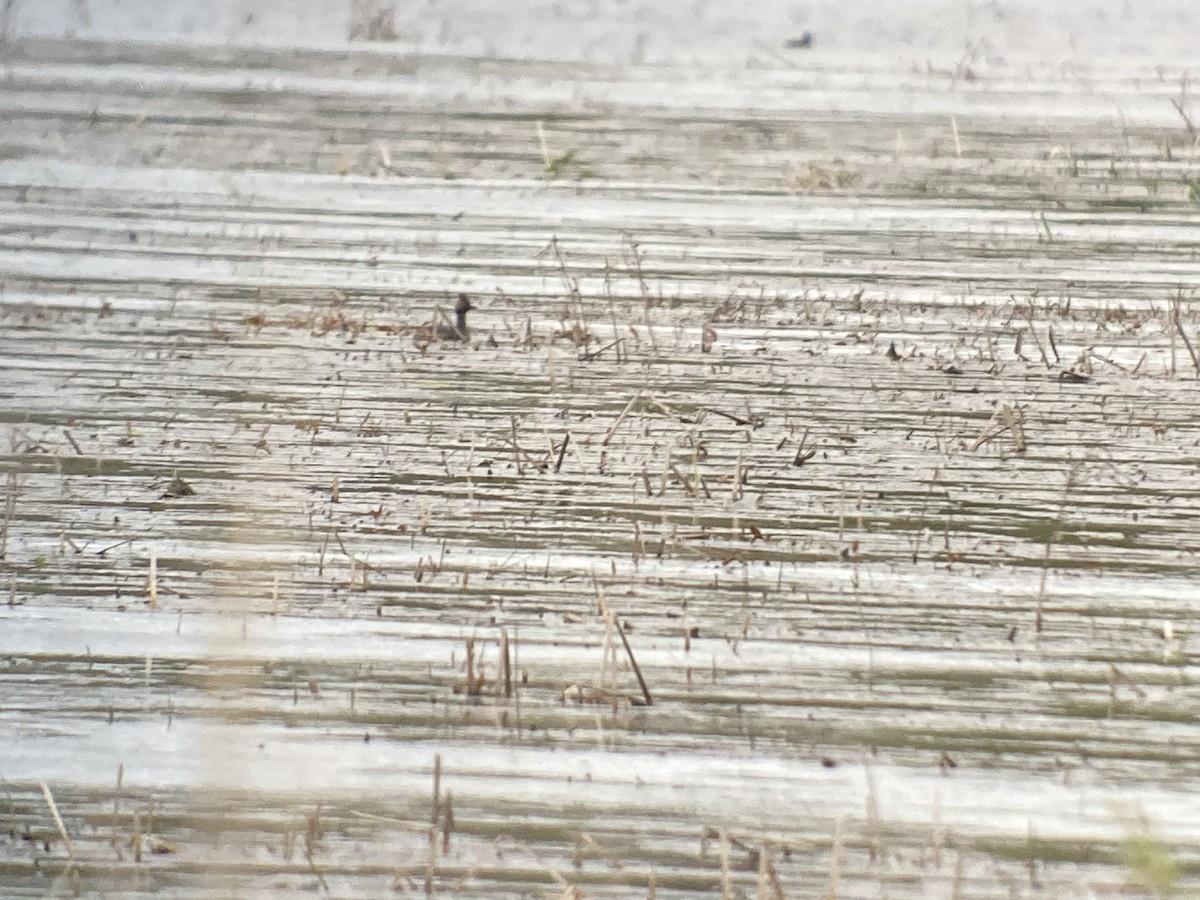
pixel 811 510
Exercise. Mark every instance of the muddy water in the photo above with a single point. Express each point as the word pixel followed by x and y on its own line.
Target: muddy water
pixel 863 400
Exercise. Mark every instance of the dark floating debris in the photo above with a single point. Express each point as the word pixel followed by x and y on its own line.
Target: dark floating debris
pixel 1073 378
pixel 891 352
pixel 799 43
pixel 178 488
pixel 803 456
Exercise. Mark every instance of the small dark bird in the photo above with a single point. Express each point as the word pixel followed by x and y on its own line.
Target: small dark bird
pixel 444 332
pixel 459 331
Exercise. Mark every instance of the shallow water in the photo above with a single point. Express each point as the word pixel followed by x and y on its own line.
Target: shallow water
pixel 915 626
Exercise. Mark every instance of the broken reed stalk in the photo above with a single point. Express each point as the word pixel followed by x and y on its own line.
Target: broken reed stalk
pixel 516 665
pixel 956 889
pixel 621 418
pixel 916 540
pixel 1187 120
pixel 10 509
pixel 62 829
pixel 1033 334
pixel 594 354
pixel 571 283
pixel 312 867
pixel 1014 421
pixel 614 623
pixel 1031 859
pixel 1176 302
pixel 1045 229
pixel 1116 677
pixel 1006 418
pixel 608 653
pixel 835 861
pixel 562 451
pixel 588 842
pixel 636 253
pixel 117 801
pixel 764 864
pixel 769 886
pixel 1041 595
pixel 516 447
pixel 776 883
pixel 569 890
pixel 683 480
pixel 636 668
pixel 541 133
pixel 506 678
pixel 437 788
pixel 873 826
pixel 472 689
pixel 433 824
pixel 802 455
pixel 447 823
pixel 755 420
pixel 726 878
